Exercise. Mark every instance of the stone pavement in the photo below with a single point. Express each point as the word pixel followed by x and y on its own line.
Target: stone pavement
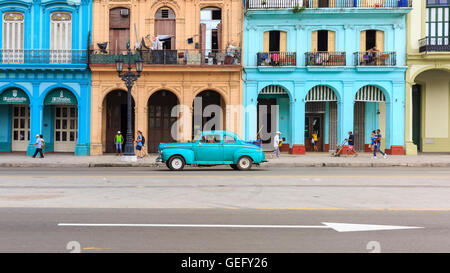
pixel 62 160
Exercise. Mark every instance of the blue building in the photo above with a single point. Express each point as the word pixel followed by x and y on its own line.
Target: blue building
pixel 326 67
pixel 44 76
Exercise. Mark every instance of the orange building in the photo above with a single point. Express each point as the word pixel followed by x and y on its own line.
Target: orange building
pixel 190 49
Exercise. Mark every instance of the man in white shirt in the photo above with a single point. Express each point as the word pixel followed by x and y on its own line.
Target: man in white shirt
pixel 38 145
pixel 276 144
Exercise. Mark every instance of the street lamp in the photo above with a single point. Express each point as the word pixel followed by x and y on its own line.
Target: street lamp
pixel 129 78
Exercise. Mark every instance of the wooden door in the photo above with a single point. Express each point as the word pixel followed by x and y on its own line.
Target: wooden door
pixel 166 27
pixel 313 123
pixel 358 125
pixel 119 30
pixel 160 121
pixel 116 117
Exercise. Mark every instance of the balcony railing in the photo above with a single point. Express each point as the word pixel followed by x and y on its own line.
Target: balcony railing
pixel 271 4
pixel 325 59
pixel 231 56
pixel 434 44
pixel 42 56
pixel 276 58
pixel 374 58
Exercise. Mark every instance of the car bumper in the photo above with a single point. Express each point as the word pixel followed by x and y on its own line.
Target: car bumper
pixel 159 159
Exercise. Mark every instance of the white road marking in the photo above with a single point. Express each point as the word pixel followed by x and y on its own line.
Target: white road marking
pixel 339 227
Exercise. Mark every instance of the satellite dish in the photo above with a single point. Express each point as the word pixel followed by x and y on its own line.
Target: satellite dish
pixel 102 47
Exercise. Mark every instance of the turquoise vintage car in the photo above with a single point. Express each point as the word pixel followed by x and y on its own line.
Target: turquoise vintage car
pixel 211 148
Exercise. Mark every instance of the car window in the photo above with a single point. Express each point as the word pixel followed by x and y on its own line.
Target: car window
pixel 210 139
pixel 228 139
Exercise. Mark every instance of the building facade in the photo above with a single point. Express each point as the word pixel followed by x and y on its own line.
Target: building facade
pixel 329 67
pixel 44 77
pixel 191 49
pixel 428 78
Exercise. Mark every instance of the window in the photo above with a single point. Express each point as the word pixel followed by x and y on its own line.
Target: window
pixel 322 40
pixel 437 22
pixel 370 39
pixel 13 33
pixel 275 41
pixel 210 139
pixel 60 37
pixel 228 139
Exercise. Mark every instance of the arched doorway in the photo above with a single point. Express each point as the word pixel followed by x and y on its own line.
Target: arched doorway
pixel 369 115
pixel 115 118
pixel 431 111
pixel 321 118
pixel 160 121
pixel 273 114
pixel 208 114
pixel 15 118
pixel 60 120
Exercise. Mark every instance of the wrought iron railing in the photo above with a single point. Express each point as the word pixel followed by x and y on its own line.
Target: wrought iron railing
pixel 375 58
pixel 231 56
pixel 271 4
pixel 43 56
pixel 435 44
pixel 325 58
pixel 276 58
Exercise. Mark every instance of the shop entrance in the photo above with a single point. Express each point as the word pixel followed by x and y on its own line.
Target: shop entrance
pixel 20 128
pixel 313 123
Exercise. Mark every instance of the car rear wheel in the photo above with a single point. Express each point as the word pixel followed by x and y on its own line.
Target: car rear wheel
pixel 244 163
pixel 176 163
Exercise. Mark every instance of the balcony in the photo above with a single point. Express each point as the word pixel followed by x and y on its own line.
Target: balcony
pixel 276 58
pixel 278 4
pixel 375 58
pixel 232 56
pixel 434 44
pixel 325 59
pixel 39 57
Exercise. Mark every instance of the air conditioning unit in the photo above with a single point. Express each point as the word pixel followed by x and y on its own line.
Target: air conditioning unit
pixel 124 12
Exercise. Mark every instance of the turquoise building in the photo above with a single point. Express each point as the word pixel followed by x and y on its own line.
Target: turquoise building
pixel 325 67
pixel 44 76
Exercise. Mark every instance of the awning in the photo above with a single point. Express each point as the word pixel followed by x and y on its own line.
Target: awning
pixel 60 96
pixel 273 90
pixel 320 93
pixel 14 96
pixel 370 93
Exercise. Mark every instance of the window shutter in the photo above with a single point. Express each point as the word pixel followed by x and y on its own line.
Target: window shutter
pixel 283 41
pixel 314 41
pixel 380 40
pixel 266 42
pixel 202 41
pixel 331 41
pixel 362 41
pixel 219 36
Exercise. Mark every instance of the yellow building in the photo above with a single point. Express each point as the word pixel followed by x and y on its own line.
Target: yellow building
pixel 190 49
pixel 427 104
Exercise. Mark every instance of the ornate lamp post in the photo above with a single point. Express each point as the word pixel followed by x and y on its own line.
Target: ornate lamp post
pixel 129 78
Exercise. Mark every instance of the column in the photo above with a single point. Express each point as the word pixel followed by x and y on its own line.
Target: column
pixel 36 117
pixel 345 113
pixel 297 119
pixel 410 147
pixel 395 120
pixel 83 145
pixel 250 111
pixel 97 118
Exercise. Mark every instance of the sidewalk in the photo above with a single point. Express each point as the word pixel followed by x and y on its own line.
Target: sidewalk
pixel 60 160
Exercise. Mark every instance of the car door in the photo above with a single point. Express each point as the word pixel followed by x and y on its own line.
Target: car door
pixel 230 145
pixel 209 149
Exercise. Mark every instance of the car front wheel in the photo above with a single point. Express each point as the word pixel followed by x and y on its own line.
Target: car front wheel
pixel 244 163
pixel 176 163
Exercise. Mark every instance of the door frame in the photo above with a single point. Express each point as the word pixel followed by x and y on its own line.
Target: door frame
pixel 308 145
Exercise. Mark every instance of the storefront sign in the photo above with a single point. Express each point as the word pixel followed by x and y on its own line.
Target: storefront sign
pixel 14 96
pixel 60 97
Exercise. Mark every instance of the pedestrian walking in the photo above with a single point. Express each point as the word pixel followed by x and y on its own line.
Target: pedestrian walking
pixel 276 145
pixel 351 143
pixel 38 145
pixel 378 135
pixel 139 145
pixel 118 142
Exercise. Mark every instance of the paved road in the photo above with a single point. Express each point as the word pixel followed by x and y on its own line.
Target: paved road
pixel 33 202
